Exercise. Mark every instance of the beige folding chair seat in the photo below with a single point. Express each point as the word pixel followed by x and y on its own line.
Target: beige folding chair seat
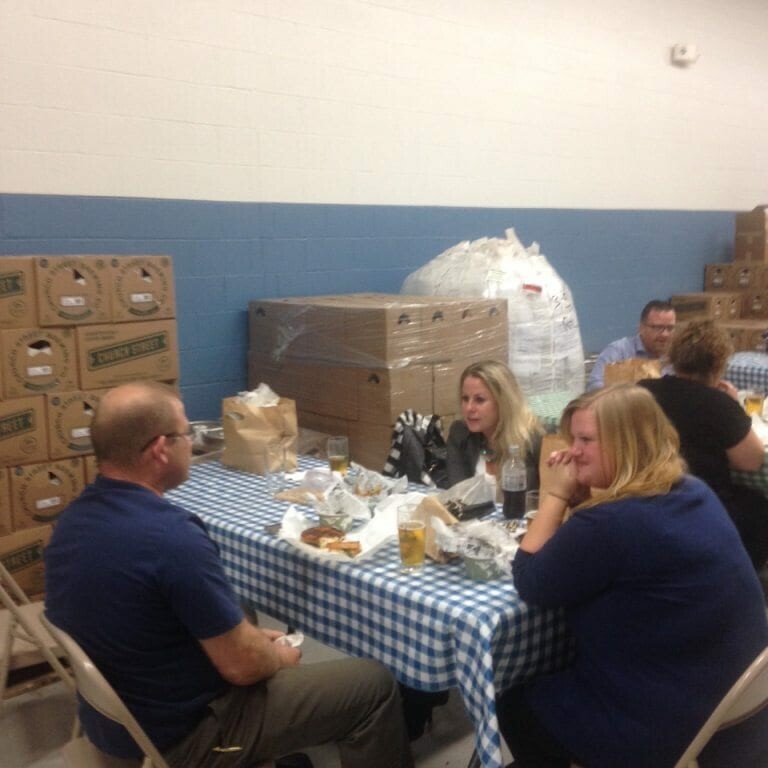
pixel 94 688
pixel 24 642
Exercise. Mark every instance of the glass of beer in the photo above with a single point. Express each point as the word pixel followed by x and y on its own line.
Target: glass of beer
pixel 411 534
pixel 753 403
pixel 338 454
pixel 531 503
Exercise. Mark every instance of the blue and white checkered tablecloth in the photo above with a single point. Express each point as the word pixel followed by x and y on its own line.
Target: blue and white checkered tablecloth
pixel 434 630
pixel 748 370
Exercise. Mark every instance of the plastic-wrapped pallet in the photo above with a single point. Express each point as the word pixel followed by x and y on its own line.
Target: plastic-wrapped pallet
pixel 545 351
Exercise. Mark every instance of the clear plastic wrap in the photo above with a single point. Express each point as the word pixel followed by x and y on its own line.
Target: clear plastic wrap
pixel 545 349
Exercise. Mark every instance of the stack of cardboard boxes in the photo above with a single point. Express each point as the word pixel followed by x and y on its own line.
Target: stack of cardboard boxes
pixel 354 362
pixel 736 292
pixel 70 328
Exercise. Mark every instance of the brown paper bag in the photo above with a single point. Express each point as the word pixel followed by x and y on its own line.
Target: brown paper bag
pixel 428 508
pixel 260 439
pixel 632 370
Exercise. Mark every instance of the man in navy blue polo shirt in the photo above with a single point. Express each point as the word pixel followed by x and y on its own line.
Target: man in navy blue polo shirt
pixel 137 581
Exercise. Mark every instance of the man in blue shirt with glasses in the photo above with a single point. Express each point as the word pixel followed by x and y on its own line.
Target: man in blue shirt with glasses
pixel 657 323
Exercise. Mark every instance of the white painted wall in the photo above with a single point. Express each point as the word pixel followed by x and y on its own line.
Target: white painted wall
pixel 503 103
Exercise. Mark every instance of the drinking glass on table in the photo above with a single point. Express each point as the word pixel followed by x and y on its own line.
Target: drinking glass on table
pixel 338 454
pixel 411 535
pixel 531 503
pixel 753 403
pixel 274 468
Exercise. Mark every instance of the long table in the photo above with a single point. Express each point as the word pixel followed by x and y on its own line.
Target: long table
pixel 748 370
pixel 435 630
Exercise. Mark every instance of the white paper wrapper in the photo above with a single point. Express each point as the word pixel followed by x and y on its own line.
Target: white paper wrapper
pixel 460 538
pixel 379 528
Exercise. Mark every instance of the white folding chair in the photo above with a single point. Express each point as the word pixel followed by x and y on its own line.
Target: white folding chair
pixel 747 696
pixel 94 688
pixel 24 642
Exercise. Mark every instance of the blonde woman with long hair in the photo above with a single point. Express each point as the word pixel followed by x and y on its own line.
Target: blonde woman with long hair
pixel 660 596
pixel 495 415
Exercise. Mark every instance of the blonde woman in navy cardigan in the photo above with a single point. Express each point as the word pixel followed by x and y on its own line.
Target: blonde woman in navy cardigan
pixel 659 593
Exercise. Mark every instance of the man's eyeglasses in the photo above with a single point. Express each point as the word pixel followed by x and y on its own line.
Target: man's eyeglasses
pixel 190 433
pixel 660 328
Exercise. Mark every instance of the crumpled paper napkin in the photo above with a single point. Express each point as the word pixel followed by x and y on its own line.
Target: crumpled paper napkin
pixel 263 396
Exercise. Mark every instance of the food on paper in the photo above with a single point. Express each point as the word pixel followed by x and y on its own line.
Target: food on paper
pixel 321 535
pixel 299 496
pixel 351 548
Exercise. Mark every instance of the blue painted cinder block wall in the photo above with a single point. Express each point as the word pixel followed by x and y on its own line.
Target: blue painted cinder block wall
pixel 225 254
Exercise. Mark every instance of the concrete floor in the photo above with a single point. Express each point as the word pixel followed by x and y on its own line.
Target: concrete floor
pixel 34 725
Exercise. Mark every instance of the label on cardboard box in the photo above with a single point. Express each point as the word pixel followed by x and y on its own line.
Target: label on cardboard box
pixel 40 492
pixel 142 288
pixel 116 353
pixel 69 422
pixel 18 297
pixel 38 360
pixel 22 555
pixel 23 431
pixel 72 290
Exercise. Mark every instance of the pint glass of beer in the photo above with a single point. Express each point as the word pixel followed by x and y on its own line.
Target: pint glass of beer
pixel 411 534
pixel 338 454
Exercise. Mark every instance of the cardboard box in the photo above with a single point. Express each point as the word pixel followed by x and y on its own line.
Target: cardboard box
pixel 72 290
pixel 283 330
pixel 754 304
pixel 121 352
pixel 6 517
pixel 37 360
pixel 748 335
pixel 473 329
pixel 22 555
pixel 445 386
pixel 330 425
pixel 376 330
pixel 69 417
pixel 750 247
pixel 755 220
pixel 18 294
pixel 384 393
pixel 91 468
pixel 745 276
pixel 717 277
pixel 632 370
pixel 40 492
pixel 142 288
pixel 717 306
pixel 23 431
pixel 321 389
pixel 369 444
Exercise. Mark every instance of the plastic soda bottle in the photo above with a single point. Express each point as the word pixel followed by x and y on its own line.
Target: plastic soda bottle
pixel 514 483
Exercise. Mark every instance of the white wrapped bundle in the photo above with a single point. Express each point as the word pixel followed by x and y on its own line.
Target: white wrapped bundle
pixel 545 351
